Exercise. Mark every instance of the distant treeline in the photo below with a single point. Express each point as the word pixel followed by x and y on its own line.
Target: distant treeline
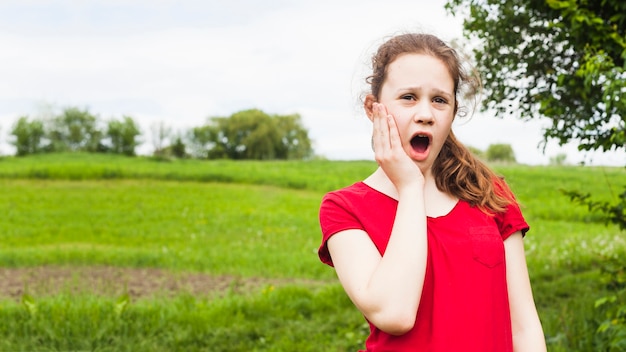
pixel 248 134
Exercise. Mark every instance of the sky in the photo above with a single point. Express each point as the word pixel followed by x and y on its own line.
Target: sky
pixel 179 62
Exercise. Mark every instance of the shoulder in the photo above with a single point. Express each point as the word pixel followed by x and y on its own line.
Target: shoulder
pixel 356 193
pixel 358 189
pixel 340 202
pixel 511 219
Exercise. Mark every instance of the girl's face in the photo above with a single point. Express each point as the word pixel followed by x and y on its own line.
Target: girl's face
pixel 419 93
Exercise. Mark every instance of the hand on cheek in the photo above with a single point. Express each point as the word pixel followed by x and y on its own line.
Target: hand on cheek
pixel 388 149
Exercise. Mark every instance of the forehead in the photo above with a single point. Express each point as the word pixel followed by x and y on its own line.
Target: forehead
pixel 419 70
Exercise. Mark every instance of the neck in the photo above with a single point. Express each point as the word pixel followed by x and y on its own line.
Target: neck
pixel 439 203
pixel 380 182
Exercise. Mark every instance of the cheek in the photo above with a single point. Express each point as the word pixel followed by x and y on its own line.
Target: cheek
pixel 402 117
pixel 402 121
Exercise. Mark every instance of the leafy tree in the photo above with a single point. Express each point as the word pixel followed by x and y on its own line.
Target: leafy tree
pixel 29 136
pixel 500 152
pixel 252 134
pixel 560 59
pixel 564 60
pixel 294 142
pixel 477 152
pixel 202 141
pixel 74 130
pixel 122 135
pixel 559 159
pixel 178 148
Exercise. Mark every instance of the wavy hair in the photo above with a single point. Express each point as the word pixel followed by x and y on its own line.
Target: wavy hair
pixel 456 170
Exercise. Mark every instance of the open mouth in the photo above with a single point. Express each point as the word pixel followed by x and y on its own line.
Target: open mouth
pixel 420 143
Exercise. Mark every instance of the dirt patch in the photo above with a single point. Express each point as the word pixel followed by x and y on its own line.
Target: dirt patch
pixel 115 281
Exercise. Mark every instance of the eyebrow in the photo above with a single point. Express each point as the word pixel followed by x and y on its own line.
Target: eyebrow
pixel 435 90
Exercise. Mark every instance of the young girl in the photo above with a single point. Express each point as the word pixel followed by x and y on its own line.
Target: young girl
pixel 429 247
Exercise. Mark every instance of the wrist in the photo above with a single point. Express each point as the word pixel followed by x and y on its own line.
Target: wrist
pixel 411 190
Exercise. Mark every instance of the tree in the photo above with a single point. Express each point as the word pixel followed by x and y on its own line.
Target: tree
pixel 252 134
pixel 294 138
pixel 178 148
pixel 476 152
pixel 564 60
pixel 560 59
pixel 161 134
pixel 122 135
pixel 28 135
pixel 559 159
pixel 500 152
pixel 74 130
pixel 203 145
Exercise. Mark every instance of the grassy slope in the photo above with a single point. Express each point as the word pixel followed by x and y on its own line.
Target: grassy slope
pixel 263 222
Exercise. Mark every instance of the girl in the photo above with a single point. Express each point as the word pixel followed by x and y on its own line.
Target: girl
pixel 429 247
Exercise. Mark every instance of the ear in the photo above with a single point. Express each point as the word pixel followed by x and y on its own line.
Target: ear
pixel 368 105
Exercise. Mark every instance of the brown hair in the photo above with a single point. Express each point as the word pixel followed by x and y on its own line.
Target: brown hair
pixel 456 170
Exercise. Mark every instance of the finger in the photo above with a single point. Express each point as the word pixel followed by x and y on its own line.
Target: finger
pixel 394 133
pixel 381 130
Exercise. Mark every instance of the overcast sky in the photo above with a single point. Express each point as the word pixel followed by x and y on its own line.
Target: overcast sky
pixel 181 61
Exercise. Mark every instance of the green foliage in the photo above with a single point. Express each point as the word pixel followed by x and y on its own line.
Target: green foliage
pixel 613 213
pixel 611 334
pixel 611 310
pixel 560 59
pixel 74 130
pixel 252 134
pixel 477 152
pixel 559 159
pixel 500 153
pixel 178 148
pixel 160 135
pixel 122 136
pixel 28 136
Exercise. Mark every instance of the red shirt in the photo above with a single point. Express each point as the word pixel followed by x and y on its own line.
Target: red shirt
pixel 464 304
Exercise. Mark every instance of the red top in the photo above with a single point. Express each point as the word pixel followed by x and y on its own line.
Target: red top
pixel 464 304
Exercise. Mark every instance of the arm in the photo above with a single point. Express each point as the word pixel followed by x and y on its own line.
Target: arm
pixel 527 331
pixel 387 289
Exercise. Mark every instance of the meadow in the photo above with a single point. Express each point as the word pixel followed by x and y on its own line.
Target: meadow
pixel 230 250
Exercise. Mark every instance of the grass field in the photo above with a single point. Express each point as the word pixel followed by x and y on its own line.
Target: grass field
pixel 247 233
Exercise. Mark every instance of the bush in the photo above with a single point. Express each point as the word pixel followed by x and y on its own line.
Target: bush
pixel 500 152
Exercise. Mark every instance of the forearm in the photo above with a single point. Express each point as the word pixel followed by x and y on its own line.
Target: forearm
pixel 529 340
pixel 395 287
pixel 527 331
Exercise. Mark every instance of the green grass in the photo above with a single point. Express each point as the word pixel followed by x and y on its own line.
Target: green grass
pixel 315 175
pixel 253 220
pixel 289 319
pixel 209 227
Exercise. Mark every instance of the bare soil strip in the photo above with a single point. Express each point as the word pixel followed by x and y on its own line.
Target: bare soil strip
pixel 136 282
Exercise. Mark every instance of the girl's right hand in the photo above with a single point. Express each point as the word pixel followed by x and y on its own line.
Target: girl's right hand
pixel 389 151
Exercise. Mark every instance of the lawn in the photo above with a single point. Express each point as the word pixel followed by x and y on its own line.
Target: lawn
pixel 247 234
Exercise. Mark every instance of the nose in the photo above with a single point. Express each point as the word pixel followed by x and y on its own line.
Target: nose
pixel 423 114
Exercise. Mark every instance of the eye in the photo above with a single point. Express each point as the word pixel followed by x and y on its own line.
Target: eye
pixel 408 97
pixel 440 100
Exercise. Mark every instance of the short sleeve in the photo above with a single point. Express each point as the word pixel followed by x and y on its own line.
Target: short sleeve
pixel 335 216
pixel 511 220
